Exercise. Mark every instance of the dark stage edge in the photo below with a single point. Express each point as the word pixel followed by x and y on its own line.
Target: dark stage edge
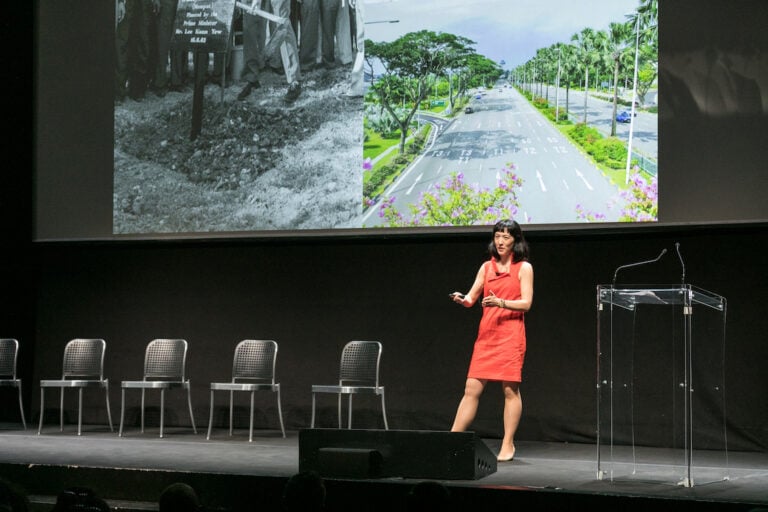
pixel 232 474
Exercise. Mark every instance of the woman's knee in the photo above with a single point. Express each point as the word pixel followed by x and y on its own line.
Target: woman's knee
pixel 473 388
pixel 511 389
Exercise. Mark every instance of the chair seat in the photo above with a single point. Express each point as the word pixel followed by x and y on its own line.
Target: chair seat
pixel 243 386
pixel 165 362
pixel 83 367
pixel 253 369
pixel 73 383
pixel 320 388
pixel 358 374
pixel 9 351
pixel 154 384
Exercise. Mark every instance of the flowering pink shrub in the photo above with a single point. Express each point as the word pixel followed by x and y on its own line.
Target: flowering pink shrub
pixel 457 203
pixel 640 202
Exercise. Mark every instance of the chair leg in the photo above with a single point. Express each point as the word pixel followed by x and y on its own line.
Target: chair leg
pixel 109 411
pixel 122 412
pixel 61 411
pixel 349 420
pixel 384 411
pixel 250 426
pixel 142 411
pixel 339 411
pixel 280 412
pixel 21 408
pixel 42 410
pixel 191 414
pixel 162 410
pixel 210 418
pixel 80 411
pixel 231 409
pixel 311 424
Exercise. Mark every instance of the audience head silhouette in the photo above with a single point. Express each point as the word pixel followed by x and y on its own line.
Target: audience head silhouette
pixel 12 498
pixel 178 497
pixel 79 499
pixel 428 497
pixel 304 492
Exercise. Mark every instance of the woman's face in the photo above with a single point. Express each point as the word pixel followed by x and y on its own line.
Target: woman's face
pixel 503 242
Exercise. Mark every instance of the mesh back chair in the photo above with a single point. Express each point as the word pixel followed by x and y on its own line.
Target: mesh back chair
pixel 164 368
pixel 253 369
pixel 359 373
pixel 9 351
pixel 83 367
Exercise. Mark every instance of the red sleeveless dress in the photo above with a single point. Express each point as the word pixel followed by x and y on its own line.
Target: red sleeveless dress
pixel 500 344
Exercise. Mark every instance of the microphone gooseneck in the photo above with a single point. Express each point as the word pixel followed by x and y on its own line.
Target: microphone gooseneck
pixel 622 267
pixel 682 264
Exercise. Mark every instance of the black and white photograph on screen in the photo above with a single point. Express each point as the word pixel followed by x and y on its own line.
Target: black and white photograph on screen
pixel 237 116
pixel 545 112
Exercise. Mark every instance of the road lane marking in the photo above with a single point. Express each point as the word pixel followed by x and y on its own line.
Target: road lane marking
pixel 416 182
pixel 584 179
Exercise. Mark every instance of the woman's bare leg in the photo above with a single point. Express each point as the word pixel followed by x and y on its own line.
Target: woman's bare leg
pixel 468 405
pixel 513 409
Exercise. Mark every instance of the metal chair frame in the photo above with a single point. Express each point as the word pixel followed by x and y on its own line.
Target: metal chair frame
pixel 9 353
pixel 83 367
pixel 358 373
pixel 165 363
pixel 253 369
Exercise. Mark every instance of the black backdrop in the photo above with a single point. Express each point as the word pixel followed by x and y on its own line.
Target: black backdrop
pixel 313 295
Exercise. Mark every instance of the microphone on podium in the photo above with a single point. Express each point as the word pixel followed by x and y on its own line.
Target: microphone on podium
pixel 622 267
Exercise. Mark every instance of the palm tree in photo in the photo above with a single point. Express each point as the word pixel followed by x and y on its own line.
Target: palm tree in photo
pixel 587 54
pixel 568 70
pixel 621 47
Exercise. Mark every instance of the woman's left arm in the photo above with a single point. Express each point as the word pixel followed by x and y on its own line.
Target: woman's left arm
pixel 526 290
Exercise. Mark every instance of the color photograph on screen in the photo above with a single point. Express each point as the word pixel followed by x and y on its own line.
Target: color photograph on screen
pixel 450 113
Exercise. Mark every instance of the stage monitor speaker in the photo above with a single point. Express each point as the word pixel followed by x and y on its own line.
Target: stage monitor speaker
pixel 395 453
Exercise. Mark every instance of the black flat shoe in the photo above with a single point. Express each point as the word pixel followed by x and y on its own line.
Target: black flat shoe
pixel 246 90
pixel 294 90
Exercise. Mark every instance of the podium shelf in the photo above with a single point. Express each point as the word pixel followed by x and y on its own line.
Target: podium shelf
pixel 628 297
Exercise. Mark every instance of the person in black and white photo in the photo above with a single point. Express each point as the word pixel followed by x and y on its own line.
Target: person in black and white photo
pixel 257 51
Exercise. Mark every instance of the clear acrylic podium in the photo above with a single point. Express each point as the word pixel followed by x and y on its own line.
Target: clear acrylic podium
pixel 660 384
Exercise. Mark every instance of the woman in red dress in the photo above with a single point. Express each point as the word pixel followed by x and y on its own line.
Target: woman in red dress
pixel 505 283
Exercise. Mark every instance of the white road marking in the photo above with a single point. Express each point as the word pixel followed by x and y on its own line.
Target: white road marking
pixel 578 173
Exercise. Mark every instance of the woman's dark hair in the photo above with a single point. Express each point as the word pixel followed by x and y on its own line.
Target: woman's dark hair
pixel 519 248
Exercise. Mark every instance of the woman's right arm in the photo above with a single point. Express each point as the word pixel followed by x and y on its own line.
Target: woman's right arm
pixel 474 293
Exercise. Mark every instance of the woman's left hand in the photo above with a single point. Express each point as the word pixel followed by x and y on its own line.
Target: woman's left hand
pixel 491 300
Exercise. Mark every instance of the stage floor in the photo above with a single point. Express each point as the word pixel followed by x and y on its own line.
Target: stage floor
pixel 738 478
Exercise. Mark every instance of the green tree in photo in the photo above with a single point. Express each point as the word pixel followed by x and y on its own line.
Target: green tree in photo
pixel 411 64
